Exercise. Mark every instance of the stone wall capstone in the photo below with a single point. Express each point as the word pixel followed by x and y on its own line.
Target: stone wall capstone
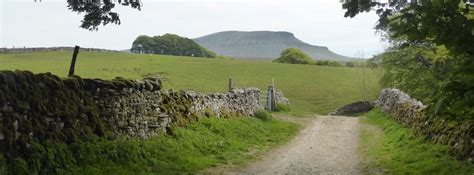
pixel 35 108
pixel 458 135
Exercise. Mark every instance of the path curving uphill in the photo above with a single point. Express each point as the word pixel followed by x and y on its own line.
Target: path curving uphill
pixel 327 145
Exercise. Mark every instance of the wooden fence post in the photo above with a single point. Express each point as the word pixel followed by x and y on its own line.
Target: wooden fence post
pixel 231 84
pixel 73 61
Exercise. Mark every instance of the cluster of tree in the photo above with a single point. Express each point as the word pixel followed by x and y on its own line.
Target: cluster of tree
pixel 432 53
pixel 296 56
pixel 170 44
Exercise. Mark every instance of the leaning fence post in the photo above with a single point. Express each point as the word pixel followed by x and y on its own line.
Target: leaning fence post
pixel 231 84
pixel 73 61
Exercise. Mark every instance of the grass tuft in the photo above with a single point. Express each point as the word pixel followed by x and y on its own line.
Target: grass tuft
pixel 263 115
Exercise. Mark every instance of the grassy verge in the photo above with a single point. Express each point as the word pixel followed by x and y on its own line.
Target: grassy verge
pixel 389 147
pixel 207 143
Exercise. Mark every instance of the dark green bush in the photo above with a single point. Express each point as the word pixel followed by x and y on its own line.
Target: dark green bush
pixel 263 115
pixel 327 63
pixel 432 75
pixel 350 64
pixel 3 164
pixel 293 56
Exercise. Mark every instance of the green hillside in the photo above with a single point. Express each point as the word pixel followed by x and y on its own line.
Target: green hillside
pixel 310 88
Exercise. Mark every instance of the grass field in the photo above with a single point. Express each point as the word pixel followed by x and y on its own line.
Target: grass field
pixel 311 89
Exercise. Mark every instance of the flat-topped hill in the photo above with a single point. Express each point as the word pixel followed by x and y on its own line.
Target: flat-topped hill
pixel 262 45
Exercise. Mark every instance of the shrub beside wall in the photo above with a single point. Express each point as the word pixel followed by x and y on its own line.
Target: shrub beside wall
pixel 457 134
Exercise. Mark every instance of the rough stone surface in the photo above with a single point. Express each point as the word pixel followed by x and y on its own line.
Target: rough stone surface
pixel 458 135
pixel 280 98
pixel 354 108
pixel 237 101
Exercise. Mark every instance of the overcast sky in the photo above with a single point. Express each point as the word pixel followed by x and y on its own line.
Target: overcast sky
pixel 317 22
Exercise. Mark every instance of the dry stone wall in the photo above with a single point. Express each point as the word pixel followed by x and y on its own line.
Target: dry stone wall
pixel 225 104
pixel 354 108
pixel 458 135
pixel 281 99
pixel 37 108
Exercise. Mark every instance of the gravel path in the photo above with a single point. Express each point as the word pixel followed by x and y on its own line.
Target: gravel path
pixel 327 145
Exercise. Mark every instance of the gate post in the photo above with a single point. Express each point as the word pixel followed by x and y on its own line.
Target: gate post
pixel 271 103
pixel 274 105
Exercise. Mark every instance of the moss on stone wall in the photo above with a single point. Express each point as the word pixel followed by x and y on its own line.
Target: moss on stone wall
pixel 44 108
pixel 179 108
pixel 40 108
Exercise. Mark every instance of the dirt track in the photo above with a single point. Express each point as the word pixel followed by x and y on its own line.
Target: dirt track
pixel 327 145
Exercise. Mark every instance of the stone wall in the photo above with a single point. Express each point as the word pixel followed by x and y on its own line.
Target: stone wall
pixel 36 108
pixel 144 113
pixel 354 108
pixel 280 98
pixel 236 102
pixel 50 49
pixel 458 135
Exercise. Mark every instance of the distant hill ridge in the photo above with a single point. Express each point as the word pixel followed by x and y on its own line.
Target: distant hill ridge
pixel 262 45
